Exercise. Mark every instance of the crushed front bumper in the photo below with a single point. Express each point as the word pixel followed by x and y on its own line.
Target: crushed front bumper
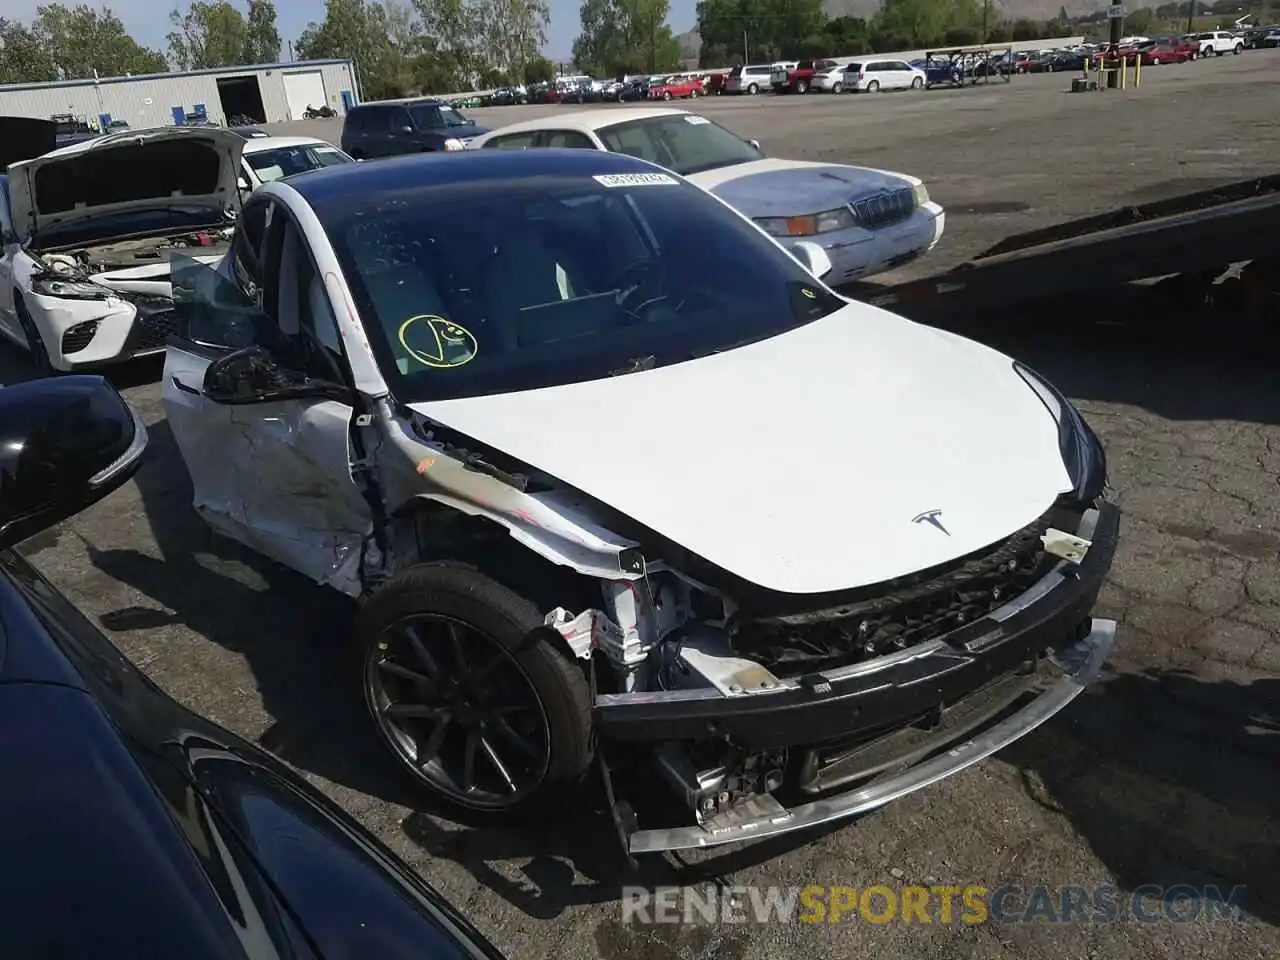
pixel 1042 646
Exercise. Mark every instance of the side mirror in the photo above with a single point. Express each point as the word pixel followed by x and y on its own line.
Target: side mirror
pixel 812 257
pixel 243 183
pixel 756 144
pixel 65 443
pixel 406 129
pixel 252 375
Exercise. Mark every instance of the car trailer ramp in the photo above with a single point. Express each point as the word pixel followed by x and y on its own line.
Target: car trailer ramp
pixel 1197 235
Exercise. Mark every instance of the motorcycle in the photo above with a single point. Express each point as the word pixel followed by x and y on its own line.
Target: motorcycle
pixel 318 113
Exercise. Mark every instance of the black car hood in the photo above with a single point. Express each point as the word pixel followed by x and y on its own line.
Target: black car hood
pixel 24 138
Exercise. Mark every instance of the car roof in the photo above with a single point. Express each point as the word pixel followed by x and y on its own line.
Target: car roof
pixel 589 120
pixel 397 102
pixel 343 182
pixel 258 144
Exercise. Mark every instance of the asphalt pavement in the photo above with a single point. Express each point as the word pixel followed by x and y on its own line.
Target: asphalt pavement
pixel 1167 772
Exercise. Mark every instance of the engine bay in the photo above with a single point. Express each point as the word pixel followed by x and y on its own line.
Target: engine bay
pixel 89 261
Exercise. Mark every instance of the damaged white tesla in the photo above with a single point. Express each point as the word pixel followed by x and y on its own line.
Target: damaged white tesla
pixel 626 492
pixel 87 231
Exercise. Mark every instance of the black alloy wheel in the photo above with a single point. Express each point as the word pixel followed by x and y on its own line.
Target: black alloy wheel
pixel 459 710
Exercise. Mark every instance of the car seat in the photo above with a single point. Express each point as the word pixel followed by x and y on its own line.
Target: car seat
pixel 523 272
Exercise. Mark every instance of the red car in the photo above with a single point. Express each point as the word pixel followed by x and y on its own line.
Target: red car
pixel 1158 53
pixel 675 87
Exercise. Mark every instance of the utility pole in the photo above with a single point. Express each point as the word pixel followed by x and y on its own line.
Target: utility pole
pixel 1191 12
pixel 653 44
pixel 986 5
pixel 1116 15
pixel 746 50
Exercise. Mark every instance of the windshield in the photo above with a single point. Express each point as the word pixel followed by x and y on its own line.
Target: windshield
pixel 468 289
pixel 286 161
pixel 685 143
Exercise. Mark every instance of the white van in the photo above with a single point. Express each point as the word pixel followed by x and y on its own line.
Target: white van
pixel 750 79
pixel 871 76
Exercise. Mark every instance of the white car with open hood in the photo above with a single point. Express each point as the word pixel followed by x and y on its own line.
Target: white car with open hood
pixel 627 492
pixel 868 221
pixel 87 234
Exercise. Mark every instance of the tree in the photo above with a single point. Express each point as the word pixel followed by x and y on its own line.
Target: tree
pixel 760 29
pixel 262 40
pixel 80 40
pixel 511 32
pixel 539 70
pixel 217 34
pixel 208 35
pixel 358 31
pixel 23 57
pixel 625 36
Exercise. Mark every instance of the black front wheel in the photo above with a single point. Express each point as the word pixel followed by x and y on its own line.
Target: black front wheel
pixel 471 692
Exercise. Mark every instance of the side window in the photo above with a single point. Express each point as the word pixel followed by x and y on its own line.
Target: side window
pixel 566 138
pixel 310 340
pixel 6 219
pixel 247 246
pixel 513 141
pixel 428 118
pixel 375 120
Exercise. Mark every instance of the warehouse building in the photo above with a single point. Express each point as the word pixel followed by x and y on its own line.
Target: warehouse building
pixel 267 93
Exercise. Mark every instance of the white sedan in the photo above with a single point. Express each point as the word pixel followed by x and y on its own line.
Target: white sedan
pixel 613 474
pixel 274 158
pixel 87 233
pixel 867 220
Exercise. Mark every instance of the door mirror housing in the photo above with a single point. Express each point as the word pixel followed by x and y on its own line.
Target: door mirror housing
pixel 252 375
pixel 243 183
pixel 65 444
pixel 756 144
pixel 812 257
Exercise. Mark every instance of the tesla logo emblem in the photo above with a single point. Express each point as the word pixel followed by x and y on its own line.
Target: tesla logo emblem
pixel 931 517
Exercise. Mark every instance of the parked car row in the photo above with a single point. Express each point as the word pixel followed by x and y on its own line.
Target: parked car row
pixel 440 337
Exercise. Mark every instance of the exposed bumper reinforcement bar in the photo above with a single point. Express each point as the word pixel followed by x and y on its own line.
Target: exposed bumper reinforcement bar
pixel 1082 662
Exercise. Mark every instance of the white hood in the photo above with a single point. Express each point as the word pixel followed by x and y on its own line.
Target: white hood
pixel 799 463
pixel 37 204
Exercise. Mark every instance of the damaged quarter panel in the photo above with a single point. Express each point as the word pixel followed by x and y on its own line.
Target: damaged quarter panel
pixel 548 522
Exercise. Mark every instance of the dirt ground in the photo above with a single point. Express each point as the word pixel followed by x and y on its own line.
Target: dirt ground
pixel 1167 772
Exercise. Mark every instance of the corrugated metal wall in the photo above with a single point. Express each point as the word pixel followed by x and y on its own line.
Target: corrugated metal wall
pixel 150 101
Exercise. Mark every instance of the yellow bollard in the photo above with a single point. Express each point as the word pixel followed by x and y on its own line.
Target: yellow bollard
pixel 1137 71
pixel 1124 70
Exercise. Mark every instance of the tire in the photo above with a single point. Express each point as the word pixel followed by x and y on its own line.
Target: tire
pixel 1218 52
pixel 837 88
pixel 1239 49
pixel 802 86
pixel 693 94
pixel 873 86
pixel 753 89
pixel 462 618
pixel 666 95
pixel 916 83
pixel 1155 61
pixel 35 343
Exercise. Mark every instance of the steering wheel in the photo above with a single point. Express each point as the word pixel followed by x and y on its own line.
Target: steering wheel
pixel 635 280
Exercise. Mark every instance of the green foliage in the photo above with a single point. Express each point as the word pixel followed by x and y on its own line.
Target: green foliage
pixel 402 48
pixel 217 34
pixel 759 30
pixel 625 36
pixel 67 43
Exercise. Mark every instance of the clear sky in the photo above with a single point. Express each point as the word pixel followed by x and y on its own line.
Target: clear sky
pixel 143 20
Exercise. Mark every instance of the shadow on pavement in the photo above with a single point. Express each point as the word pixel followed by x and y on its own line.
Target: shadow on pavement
pixel 291 633
pixel 579 861
pixel 1170 780
pixel 1180 364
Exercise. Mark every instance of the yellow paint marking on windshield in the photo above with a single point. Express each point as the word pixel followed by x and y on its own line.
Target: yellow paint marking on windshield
pixel 439 343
